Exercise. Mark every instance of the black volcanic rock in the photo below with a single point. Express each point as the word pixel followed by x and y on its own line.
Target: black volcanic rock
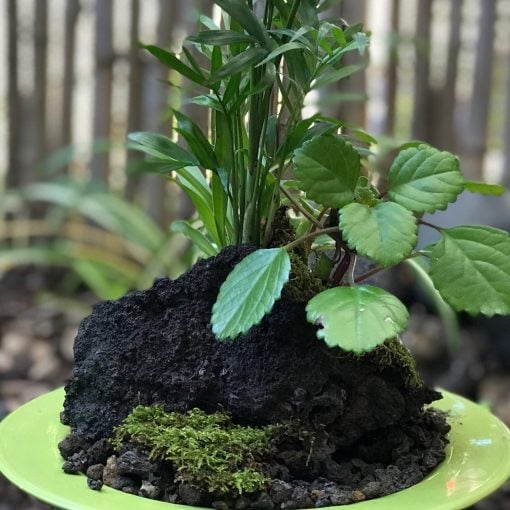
pixel 157 347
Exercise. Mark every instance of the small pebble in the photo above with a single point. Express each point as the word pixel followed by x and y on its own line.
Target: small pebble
pixel 95 472
pixel 95 485
pixel 148 490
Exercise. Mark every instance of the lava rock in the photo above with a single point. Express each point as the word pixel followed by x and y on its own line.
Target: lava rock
pixel 114 479
pixel 76 463
pixel 95 472
pixel 189 494
pixel 220 505
pixel 99 452
pixel 148 490
pixel 133 464
pixel 72 444
pixel 280 491
pixel 95 485
pixel 263 502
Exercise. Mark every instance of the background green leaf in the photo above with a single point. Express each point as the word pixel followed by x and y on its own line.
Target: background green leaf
pixel 385 233
pixel 170 60
pixel 243 15
pixel 195 236
pixel 220 37
pixel 423 179
pixel 357 318
pixel 470 267
pixel 245 60
pixel 484 188
pixel 161 147
pixel 249 292
pixel 197 141
pixel 327 168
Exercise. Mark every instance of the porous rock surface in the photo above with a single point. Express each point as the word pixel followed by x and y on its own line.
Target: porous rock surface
pixel 157 347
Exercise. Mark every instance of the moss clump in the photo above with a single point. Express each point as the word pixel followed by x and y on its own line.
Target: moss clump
pixel 302 285
pixel 394 354
pixel 205 449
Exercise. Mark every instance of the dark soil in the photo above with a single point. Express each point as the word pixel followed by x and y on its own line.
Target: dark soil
pixel 371 436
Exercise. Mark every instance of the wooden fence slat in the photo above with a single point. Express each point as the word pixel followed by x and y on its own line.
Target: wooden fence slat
pixel 420 128
pixel 103 85
pixel 475 142
pixel 135 92
pixel 40 41
pixel 13 99
pixel 154 101
pixel 355 112
pixel 444 127
pixel 392 70
pixel 72 10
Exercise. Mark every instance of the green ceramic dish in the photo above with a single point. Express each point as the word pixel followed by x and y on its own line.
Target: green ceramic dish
pixel 477 463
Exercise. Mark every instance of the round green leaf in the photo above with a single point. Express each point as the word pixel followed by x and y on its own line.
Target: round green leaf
pixel 385 233
pixel 249 292
pixel 423 179
pixel 470 267
pixel 327 168
pixel 357 318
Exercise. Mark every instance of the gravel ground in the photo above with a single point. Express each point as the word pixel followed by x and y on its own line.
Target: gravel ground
pixel 37 333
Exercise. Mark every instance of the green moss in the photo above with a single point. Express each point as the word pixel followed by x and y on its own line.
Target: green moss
pixel 302 285
pixel 394 354
pixel 206 449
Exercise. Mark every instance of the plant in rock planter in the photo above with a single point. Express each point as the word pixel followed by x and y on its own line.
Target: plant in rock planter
pixel 287 207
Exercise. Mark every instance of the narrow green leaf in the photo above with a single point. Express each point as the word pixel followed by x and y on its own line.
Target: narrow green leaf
pixel 209 101
pixel 284 48
pixel 335 76
pixel 356 318
pixel 170 60
pixel 221 37
pixel 159 146
pixel 216 59
pixel 449 318
pixel 240 12
pixel 245 60
pixel 327 168
pixel 484 188
pixel 249 292
pixel 197 141
pixel 195 236
pixel 385 233
pixel 219 208
pixel 423 179
pixel 154 166
pixel 470 267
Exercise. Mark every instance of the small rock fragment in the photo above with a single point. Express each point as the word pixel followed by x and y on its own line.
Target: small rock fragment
pixel 133 464
pixel 95 485
pixel 95 472
pixel 189 494
pixel 148 490
pixel 76 463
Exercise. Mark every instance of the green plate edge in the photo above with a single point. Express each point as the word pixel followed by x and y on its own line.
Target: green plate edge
pixel 477 462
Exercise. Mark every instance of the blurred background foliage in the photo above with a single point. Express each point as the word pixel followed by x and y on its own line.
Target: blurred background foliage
pixel 78 223
pixel 75 82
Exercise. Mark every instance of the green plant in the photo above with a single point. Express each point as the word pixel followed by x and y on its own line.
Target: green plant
pixel 261 154
pixel 205 449
pixel 107 243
